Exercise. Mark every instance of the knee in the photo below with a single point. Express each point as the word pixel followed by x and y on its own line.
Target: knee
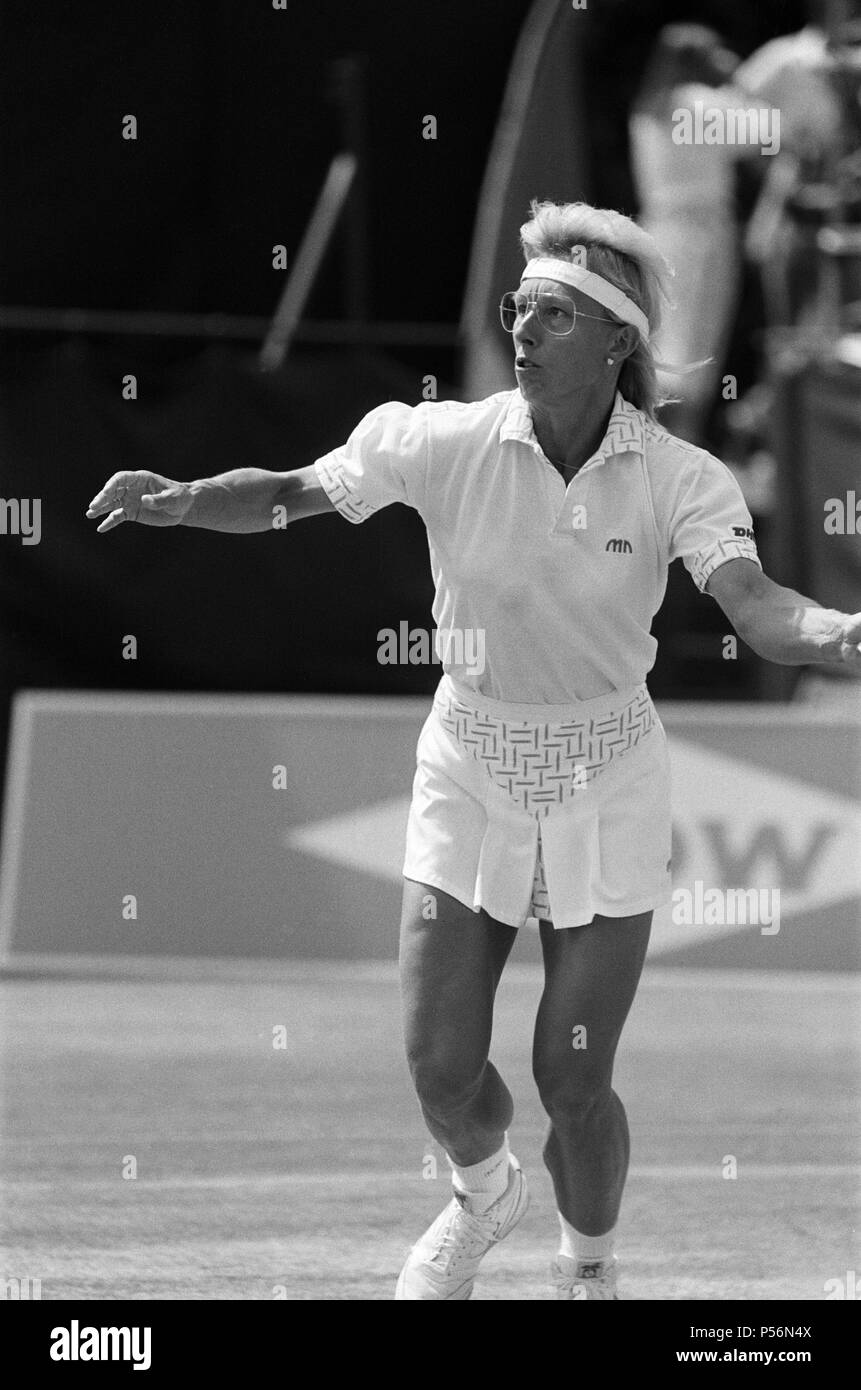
pixel 570 1090
pixel 444 1083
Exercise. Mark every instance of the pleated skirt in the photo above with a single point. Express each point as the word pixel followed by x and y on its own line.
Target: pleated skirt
pixel 549 812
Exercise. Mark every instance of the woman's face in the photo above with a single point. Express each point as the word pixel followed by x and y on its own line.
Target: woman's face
pixel 551 370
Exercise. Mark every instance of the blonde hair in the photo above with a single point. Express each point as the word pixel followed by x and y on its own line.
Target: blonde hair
pixel 624 254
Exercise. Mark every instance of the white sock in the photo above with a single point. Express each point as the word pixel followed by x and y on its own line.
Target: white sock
pixel 575 1246
pixel 482 1183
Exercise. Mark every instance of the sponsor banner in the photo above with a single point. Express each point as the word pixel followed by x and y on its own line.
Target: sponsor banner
pixel 198 826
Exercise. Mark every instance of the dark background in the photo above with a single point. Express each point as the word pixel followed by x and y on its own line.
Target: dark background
pixel 236 126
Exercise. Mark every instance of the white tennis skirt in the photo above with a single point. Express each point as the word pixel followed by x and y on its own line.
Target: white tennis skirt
pixel 556 812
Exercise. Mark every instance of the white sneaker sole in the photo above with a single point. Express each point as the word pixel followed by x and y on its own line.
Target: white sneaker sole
pixel 464 1290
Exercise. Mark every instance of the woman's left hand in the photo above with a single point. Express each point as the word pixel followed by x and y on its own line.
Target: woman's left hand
pixel 850 647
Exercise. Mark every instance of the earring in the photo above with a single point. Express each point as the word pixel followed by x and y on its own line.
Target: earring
pixel 609 361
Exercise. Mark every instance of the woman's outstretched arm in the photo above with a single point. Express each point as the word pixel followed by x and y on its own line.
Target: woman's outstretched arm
pixel 243 500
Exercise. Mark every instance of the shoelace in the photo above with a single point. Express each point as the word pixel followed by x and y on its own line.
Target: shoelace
pixel 601 1284
pixel 453 1246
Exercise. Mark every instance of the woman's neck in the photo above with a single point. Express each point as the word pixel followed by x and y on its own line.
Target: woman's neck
pixel 568 439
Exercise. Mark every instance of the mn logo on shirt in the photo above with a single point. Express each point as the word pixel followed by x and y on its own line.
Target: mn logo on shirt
pixel 619 546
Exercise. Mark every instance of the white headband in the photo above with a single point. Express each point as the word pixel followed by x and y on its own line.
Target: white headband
pixel 575 273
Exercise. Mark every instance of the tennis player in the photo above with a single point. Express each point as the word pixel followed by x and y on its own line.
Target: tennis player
pixel 542 785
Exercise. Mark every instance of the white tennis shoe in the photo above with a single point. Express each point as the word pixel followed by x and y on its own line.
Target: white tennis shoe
pixel 444 1263
pixel 588 1279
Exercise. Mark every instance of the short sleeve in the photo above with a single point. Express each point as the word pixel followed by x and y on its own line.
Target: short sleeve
pixel 711 522
pixel 384 460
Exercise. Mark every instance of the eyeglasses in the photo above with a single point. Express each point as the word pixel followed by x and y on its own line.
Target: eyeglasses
pixel 556 312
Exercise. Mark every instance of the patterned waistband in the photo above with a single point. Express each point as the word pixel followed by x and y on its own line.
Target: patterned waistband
pixel 539 714
pixel 542 762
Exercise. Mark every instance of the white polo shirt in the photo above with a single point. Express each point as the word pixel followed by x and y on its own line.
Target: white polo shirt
pixel 563 582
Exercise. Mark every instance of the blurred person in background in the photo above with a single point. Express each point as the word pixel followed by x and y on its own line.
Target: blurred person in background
pixel 801 188
pixel 792 74
pixel 686 193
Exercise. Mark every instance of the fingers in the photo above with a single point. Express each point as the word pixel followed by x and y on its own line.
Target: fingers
pixel 104 500
pixel 119 498
pixel 101 504
pixel 116 516
pixel 115 498
pixel 114 493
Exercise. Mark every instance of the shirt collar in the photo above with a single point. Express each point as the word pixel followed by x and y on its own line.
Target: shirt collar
pixel 625 433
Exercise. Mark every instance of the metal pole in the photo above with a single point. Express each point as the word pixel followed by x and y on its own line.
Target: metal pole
pixel 311 252
pixel 17 318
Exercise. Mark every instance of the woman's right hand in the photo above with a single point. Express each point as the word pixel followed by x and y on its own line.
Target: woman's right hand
pixel 140 496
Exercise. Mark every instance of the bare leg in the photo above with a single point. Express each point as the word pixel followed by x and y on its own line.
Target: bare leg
pixel 450 968
pixel 591 976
